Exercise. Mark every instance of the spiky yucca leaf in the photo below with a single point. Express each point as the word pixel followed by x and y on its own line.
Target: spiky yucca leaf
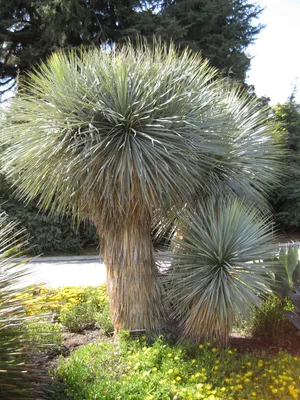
pixel 218 273
pixel 17 374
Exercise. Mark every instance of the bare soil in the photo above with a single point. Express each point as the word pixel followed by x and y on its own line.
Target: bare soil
pixel 248 344
pixel 243 343
pixel 73 340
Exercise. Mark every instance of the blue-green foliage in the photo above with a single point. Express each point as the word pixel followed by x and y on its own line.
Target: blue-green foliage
pixel 289 274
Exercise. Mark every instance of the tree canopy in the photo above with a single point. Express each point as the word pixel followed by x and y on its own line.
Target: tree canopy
pixel 287 197
pixel 30 31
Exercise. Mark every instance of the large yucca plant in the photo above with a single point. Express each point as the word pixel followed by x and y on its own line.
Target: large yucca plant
pixel 219 268
pixel 116 136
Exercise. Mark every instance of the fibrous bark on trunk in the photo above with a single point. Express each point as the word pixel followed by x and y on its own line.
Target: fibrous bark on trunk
pixel 132 277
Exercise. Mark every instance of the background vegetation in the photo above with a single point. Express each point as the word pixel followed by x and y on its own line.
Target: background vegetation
pixel 47 234
pixel 221 29
pixel 286 200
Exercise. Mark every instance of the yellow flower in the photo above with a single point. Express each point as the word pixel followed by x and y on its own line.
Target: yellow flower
pixel 200 346
pixel 178 378
pixel 260 363
pixel 214 350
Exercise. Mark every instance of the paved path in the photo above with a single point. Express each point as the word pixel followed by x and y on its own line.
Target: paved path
pixel 55 273
pixel 71 271
pixel 81 270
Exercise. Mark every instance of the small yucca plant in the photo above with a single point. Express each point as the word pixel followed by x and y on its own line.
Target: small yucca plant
pixel 18 376
pixel 218 269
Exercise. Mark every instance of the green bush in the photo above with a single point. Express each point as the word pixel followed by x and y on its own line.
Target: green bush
pixel 269 324
pixel 78 318
pixel 48 234
pixel 104 320
pixel 92 309
pixel 134 370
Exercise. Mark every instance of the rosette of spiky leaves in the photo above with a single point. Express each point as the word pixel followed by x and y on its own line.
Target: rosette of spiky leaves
pixel 218 268
pixel 93 132
pixel 97 133
pixel 246 155
pixel 18 376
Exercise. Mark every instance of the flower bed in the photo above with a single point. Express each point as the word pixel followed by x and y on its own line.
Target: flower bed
pixel 135 370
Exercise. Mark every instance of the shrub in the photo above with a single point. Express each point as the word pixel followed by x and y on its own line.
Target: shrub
pixel 77 308
pixel 269 323
pixel 92 309
pixel 42 299
pixel 104 320
pixel 78 318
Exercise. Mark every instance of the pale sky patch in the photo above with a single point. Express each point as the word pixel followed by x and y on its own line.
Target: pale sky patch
pixel 275 67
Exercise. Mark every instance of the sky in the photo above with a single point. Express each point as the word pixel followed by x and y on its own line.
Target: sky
pixel 275 66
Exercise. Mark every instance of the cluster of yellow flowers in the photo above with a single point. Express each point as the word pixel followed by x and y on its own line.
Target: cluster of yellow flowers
pixel 226 375
pixel 41 299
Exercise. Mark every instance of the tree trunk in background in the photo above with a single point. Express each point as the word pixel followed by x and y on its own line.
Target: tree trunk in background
pixel 132 278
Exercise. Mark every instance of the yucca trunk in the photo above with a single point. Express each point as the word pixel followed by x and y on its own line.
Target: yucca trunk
pixel 132 278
